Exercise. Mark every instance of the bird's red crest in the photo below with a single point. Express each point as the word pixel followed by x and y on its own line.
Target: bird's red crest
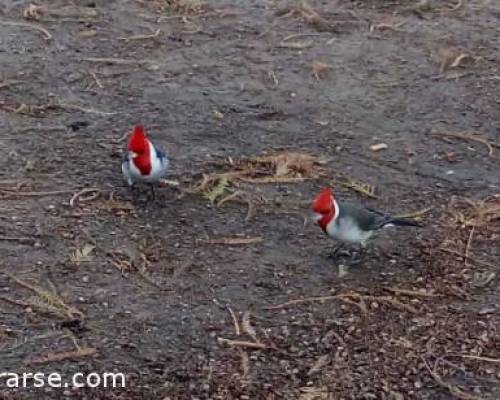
pixel 138 142
pixel 323 203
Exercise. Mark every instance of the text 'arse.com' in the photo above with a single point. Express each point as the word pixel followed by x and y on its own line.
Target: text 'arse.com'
pixel 56 380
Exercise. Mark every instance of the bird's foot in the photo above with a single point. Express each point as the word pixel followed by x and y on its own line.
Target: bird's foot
pixel 339 251
pixel 357 256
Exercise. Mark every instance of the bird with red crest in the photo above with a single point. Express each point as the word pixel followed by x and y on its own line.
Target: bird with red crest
pixel 351 223
pixel 143 161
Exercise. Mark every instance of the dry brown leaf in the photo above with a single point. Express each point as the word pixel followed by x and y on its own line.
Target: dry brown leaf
pixel 320 68
pixel 83 255
pixel 459 59
pixel 287 162
pixel 451 58
pixel 379 146
pixel 218 114
pixel 87 34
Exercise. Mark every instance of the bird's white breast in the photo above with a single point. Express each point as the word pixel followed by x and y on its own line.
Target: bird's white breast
pixel 158 169
pixel 347 230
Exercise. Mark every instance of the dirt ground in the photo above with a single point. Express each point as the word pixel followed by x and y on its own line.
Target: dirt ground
pixel 105 280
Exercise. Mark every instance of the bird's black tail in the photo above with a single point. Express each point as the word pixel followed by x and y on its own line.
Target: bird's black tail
pixel 402 222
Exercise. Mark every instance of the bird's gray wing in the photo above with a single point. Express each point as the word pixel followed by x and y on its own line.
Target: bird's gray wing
pixel 162 156
pixel 368 219
pixel 126 169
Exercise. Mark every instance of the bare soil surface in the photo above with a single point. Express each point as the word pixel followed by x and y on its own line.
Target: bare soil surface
pixel 107 280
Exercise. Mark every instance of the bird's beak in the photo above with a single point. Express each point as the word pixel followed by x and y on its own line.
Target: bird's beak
pixel 132 154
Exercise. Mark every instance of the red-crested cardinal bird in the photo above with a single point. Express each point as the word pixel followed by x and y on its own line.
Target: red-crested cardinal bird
pixel 351 223
pixel 143 162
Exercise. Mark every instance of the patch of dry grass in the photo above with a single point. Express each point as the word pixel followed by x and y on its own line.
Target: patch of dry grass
pixel 181 6
pixel 268 168
pixel 480 214
pixel 47 301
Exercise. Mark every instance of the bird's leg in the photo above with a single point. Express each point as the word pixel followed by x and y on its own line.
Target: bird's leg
pixel 137 194
pixel 336 249
pixel 361 252
pixel 153 193
pixel 362 249
pixel 340 250
pixel 133 189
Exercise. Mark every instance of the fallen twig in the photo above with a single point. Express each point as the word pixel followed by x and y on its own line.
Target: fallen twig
pixel 275 179
pixel 454 390
pixel 348 298
pixel 385 26
pixel 415 214
pixel 38 128
pixel 301 301
pixel 295 45
pixel 320 363
pixel 14 302
pixel 96 79
pixel 47 34
pixel 85 109
pixel 467 247
pixel 235 240
pixel 96 192
pixel 141 37
pixel 9 82
pixel 478 262
pixel 237 329
pixel 242 343
pixel 116 61
pixel 471 138
pixel 299 35
pixel 479 358
pixel 65 355
pixel 243 198
pixel 248 328
pixel 10 193
pixel 22 240
pixel 245 364
pixel 386 299
pixel 408 292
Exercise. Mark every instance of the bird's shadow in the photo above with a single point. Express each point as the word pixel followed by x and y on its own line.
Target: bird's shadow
pixel 143 197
